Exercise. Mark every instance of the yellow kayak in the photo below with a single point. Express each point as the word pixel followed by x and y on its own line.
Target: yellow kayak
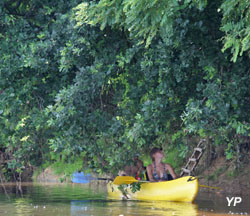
pixel 183 189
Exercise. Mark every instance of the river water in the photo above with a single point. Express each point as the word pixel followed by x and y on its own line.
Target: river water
pixel 91 199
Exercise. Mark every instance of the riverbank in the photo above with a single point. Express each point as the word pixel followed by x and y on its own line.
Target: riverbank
pixel 222 173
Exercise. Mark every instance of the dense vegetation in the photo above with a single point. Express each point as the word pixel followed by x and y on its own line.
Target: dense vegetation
pixel 92 83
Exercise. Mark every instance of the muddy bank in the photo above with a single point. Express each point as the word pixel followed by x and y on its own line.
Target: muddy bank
pixel 222 173
pixel 49 176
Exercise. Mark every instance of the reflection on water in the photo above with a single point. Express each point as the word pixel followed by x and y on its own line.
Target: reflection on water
pixel 128 208
pixel 79 199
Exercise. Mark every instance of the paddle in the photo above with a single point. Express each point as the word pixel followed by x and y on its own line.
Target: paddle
pixel 125 180
pixel 206 186
pixel 80 177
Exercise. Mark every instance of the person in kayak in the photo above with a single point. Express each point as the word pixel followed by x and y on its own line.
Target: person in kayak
pixel 137 170
pixel 158 171
pixel 141 173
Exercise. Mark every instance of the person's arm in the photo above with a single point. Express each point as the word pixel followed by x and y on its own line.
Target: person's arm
pixel 149 171
pixel 171 171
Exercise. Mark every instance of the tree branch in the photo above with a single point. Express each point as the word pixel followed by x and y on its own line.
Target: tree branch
pixel 11 9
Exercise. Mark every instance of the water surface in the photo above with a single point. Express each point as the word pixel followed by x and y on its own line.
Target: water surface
pixel 91 199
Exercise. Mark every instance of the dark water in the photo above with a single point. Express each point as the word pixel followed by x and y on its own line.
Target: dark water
pixel 79 199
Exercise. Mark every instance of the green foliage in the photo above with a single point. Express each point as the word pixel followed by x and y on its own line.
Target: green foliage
pixel 31 39
pixel 174 158
pixel 134 187
pixel 67 169
pixel 143 20
pixel 235 24
pixel 100 81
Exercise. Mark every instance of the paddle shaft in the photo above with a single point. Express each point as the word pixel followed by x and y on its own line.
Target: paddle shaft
pixel 206 186
pixel 105 179
pixel 90 178
pixel 137 181
pixel 86 179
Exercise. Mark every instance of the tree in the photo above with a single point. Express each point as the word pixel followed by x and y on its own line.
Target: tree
pixel 104 80
pixel 32 37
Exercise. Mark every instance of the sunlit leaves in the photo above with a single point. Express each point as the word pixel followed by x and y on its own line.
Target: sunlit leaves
pixel 235 24
pixel 144 20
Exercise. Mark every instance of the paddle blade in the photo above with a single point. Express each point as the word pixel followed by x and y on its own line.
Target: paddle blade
pixel 81 177
pixel 124 180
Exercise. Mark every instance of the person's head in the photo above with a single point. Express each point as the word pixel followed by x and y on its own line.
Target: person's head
pixel 136 158
pixel 139 164
pixel 156 152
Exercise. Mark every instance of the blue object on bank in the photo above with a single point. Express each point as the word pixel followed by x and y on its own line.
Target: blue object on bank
pixel 80 177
